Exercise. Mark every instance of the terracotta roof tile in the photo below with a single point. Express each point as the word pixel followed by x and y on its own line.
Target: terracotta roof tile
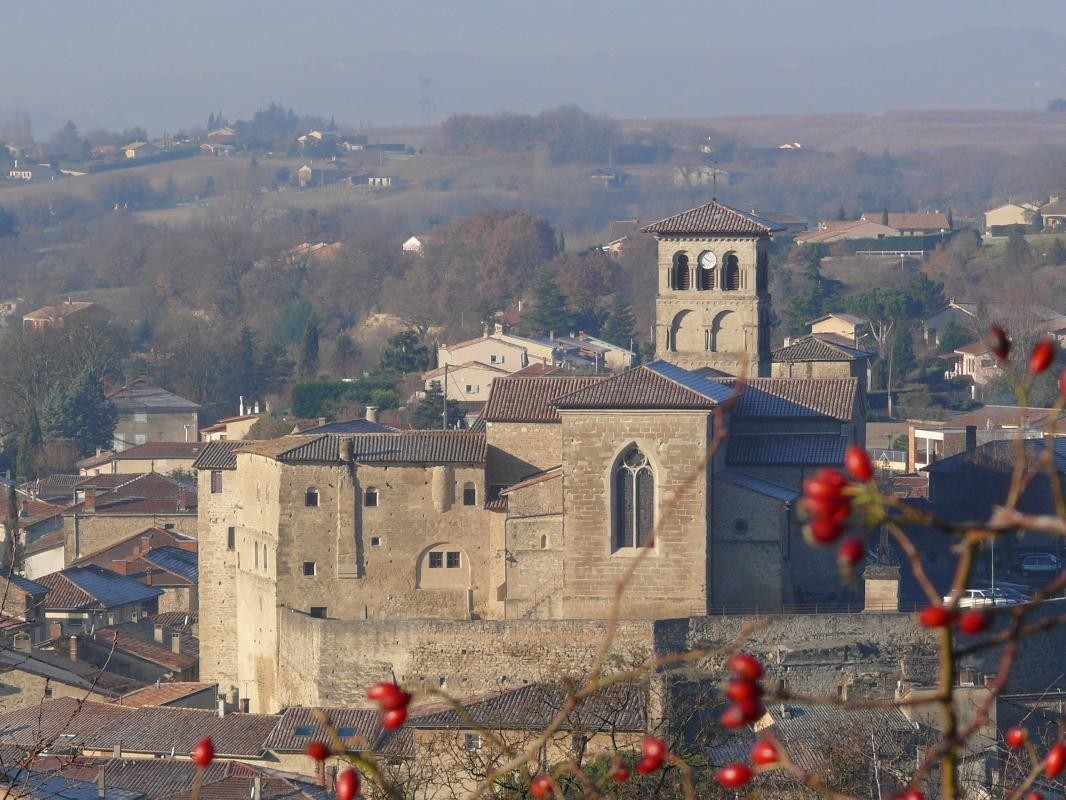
pixel 162 694
pixel 714 217
pixel 813 348
pixel 154 450
pixel 532 480
pixel 93 588
pixel 162 729
pixel 360 728
pixel 530 399
pixel 44 722
pixel 220 455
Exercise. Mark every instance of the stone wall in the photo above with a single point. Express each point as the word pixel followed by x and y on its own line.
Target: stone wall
pixel 19 688
pixel 748 549
pixel 518 449
pixel 85 533
pixel 535 550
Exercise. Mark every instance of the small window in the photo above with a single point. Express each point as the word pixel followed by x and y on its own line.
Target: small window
pixel 264 556
pixel 168 526
pixel 310 568
pixel 472 741
pixel 48 692
pixel 436 560
pixel 140 416
pixel 375 541
pixel 216 481
pixel 473 388
pixel 304 730
pixel 496 359
pixel 231 538
pixel 453 559
pixel 255 546
pixel 740 526
pixel 469 494
pixel 319 612
pixel 370 497
pixel 311 498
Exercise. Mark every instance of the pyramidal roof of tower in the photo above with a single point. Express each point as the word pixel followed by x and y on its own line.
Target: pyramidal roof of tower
pixel 714 217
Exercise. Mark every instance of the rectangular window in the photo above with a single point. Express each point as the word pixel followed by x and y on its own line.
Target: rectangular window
pixel 216 481
pixel 472 388
pixel 231 538
pixel 140 416
pixel 168 526
pixel 496 359
pixel 436 560
pixel 469 495
pixel 472 741
pixel 318 612
pixel 375 541
pixel 453 559
pixel 255 546
pixel 310 568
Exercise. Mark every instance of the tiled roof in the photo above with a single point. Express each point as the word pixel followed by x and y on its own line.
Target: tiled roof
pixel 532 480
pixel 46 784
pixel 176 618
pixel 96 459
pixel 240 786
pixel 714 217
pixel 173 559
pixel 58 670
pixel 138 396
pixel 620 707
pixel 143 493
pixel 452 368
pixel 162 729
pixel 794 449
pixel 154 450
pixel 360 728
pixel 93 588
pixel 654 385
pixel 978 348
pixel 530 399
pixel 152 778
pixel 923 221
pixel 42 723
pixel 32 512
pixel 351 426
pixel 851 319
pixel 219 455
pixel 162 694
pixel 133 544
pixel 757 485
pixel 143 630
pixel 50 541
pixel 109 683
pixel 1006 416
pixel 765 398
pixel 26 585
pixel 814 348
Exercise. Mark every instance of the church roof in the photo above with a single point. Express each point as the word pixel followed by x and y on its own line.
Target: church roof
pixel 765 398
pixel 813 348
pixel 714 217
pixel 530 398
pixel 654 385
pixel 785 449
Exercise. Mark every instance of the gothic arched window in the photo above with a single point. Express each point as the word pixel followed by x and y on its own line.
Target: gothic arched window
pixel 680 277
pixel 634 500
pixel 731 273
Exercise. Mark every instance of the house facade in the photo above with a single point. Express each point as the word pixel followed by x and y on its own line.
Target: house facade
pixel 151 414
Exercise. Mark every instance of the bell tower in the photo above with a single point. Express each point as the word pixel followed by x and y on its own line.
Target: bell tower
pixel 712 308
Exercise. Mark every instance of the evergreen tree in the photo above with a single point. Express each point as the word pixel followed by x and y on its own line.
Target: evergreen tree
pixel 818 297
pixel 211 124
pixel 29 441
pixel 903 358
pixel 430 410
pixel 884 217
pixel 841 214
pixel 10 556
pixel 1018 252
pixel 308 364
pixel 951 220
pixel 953 337
pixel 1057 253
pixel 560 245
pixel 405 353
pixel 550 314
pixel 621 326
pixel 80 412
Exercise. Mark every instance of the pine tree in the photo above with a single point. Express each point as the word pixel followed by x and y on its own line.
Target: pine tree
pixel 841 214
pixel 951 220
pixel 884 217
pixel 903 358
pixel 10 558
pixel 211 124
pixel 404 354
pixel 80 412
pixel 560 244
pixel 308 364
pixel 550 314
pixel 29 441
pixel 620 326
pixel 430 409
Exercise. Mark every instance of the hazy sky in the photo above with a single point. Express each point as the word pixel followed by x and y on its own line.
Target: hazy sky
pixel 167 65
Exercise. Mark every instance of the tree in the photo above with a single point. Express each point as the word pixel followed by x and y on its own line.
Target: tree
pixel 1018 252
pixel 841 213
pixel 885 308
pixel 620 326
pixel 405 354
pixel 818 296
pixel 927 293
pixel 550 314
pixel 953 337
pixel 1057 253
pixel 81 413
pixel 903 359
pixel 430 410
pixel 10 557
pixel 29 441
pixel 884 217
pixel 308 364
pixel 345 353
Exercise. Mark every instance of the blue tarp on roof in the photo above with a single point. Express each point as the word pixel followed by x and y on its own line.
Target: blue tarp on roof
pixel 110 588
pixel 174 559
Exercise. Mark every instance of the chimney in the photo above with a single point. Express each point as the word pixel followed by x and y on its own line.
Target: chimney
pixel 257 788
pixel 159 633
pixel 371 413
pixel 146 545
pixel 89 500
pixel 56 631
pixel 222 706
pixel 73 648
pixel 240 408
pixel 321 421
pixel 245 705
pixel 971 439
pixel 24 508
pixel 786 712
pixel 101 786
pixel 183 499
pixel 255 410
pixel 116 752
pixel 175 642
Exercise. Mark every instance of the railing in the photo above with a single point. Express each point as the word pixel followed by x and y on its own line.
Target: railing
pixel 916 253
pixel 856 607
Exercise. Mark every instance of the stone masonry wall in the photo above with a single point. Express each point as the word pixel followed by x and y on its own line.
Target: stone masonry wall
pixel 85 533
pixel 518 449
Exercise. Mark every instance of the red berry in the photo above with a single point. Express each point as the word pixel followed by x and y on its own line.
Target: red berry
pixel 1034 796
pixel 912 794
pixel 391 720
pixel 858 463
pixel 934 617
pixel 764 753
pixel 1042 357
pixel 652 747
pixel 825 484
pixel 1016 737
pixel 319 751
pixel 648 765
pixel 851 552
pixel 746 666
pixel 347 786
pixel 824 530
pixel 733 776
pixel 1056 760
pixel 380 692
pixel 741 690
pixel 542 786
pixel 620 773
pixel 750 710
pixel 733 718
pixel 204 753
pixel 973 622
pixel 998 342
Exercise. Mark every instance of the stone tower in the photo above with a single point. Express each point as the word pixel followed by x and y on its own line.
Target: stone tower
pixel 713 303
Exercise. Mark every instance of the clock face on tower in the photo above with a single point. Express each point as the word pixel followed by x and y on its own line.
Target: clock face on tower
pixel 708 260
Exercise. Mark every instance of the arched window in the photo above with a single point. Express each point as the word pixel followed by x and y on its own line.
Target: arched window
pixel 680 277
pixel 370 497
pixel 634 500
pixel 731 273
pixel 706 277
pixel 311 498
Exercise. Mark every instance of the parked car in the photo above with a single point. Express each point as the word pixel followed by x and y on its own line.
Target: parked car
pixel 1013 594
pixel 1041 564
pixel 972 598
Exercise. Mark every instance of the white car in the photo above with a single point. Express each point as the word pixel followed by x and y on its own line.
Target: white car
pixel 972 598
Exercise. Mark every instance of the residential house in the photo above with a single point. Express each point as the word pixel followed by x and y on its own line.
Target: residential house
pixel 368 424
pixel 911 224
pixel 491 350
pixel 1015 317
pixel 109 508
pixel 215 149
pixel 1053 214
pixel 140 150
pixel 319 173
pixel 700 175
pixel 846 329
pixel 22 600
pixel 83 598
pixel 223 135
pixel 789 222
pixel 144 651
pixel 464 382
pixel 175 694
pixel 620 233
pixel 67 313
pixel 149 414
pixel 829 232
pixel 818 356
pixel 976 362
pixel 40 526
pixel 33 172
pixel 163 457
pixel 608 178
pixel 1001 220
pixel 588 351
pixel 306 251
pixel 30 677
pixel 230 428
pixel 380 182
pixel 416 245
